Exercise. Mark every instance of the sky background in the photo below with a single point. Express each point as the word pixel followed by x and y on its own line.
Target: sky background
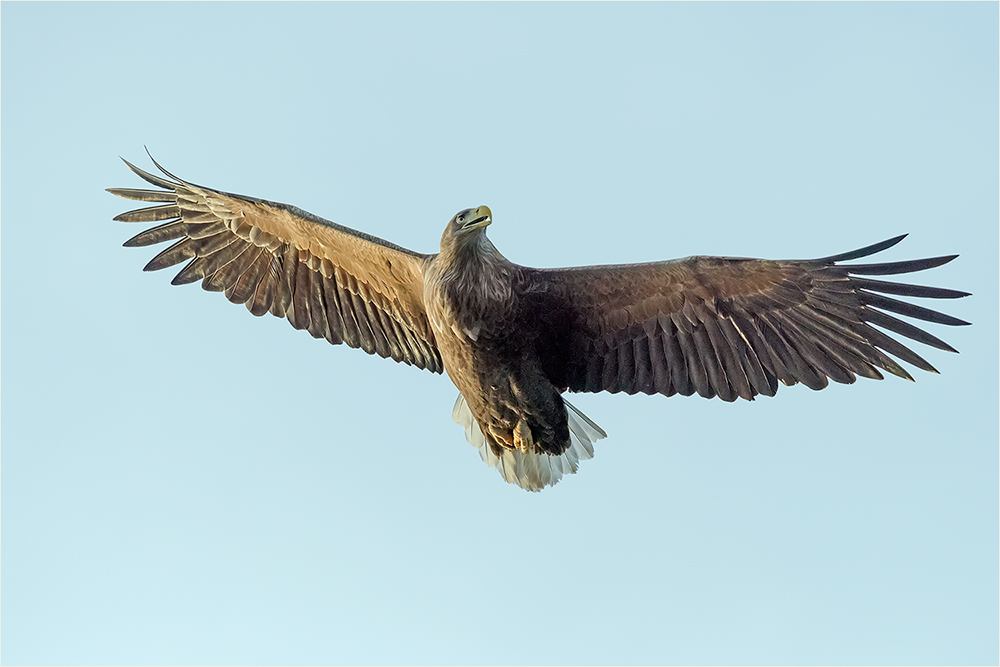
pixel 183 483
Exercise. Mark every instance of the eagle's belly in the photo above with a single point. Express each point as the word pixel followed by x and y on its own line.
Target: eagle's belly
pixel 515 405
pixel 495 367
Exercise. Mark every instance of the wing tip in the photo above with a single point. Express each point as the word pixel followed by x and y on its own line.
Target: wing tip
pixel 160 167
pixel 864 252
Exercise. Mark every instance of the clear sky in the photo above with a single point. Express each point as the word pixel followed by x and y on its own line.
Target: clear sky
pixel 184 483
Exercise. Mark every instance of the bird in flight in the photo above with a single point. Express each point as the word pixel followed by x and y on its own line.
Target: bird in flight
pixel 513 339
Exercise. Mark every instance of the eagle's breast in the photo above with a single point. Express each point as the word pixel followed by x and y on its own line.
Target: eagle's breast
pixel 469 294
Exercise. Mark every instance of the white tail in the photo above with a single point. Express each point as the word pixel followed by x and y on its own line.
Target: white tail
pixel 532 470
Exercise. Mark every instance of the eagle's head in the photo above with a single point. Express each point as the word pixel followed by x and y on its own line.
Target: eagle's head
pixel 467 228
pixel 471 220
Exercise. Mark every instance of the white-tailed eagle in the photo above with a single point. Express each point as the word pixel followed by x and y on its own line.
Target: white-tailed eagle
pixel 514 339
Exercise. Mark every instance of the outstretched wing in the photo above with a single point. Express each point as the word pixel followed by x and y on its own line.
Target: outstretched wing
pixel 731 327
pixel 335 282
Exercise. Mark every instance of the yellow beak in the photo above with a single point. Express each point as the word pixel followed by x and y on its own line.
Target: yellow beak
pixel 482 216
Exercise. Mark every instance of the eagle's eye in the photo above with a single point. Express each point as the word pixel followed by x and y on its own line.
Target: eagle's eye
pixel 461 218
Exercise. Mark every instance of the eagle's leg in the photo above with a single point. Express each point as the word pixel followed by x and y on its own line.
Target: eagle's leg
pixel 522 436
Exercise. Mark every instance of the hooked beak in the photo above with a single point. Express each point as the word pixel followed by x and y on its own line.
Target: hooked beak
pixel 481 217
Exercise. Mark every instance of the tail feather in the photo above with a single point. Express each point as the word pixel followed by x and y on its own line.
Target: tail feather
pixel 533 471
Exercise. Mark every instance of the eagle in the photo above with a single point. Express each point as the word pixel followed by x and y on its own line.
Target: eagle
pixel 514 339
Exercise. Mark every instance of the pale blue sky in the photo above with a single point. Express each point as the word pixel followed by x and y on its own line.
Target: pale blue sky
pixel 184 483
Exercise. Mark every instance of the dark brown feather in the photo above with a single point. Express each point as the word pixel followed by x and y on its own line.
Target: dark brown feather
pixel 910 310
pixel 175 254
pixel 902 289
pixel 732 368
pixel 168 232
pixel 643 365
pixel 710 359
pixel 299 315
pixel 352 331
pixel 673 354
pixel 374 322
pixel 626 367
pixel 697 374
pixel 840 344
pixel 150 214
pixel 143 195
pixel 264 295
pixel 658 362
pixel 227 275
pixel 385 323
pixel 320 324
pixel 365 335
pixel 609 379
pixel 214 254
pixel 899 267
pixel 759 380
pixel 333 311
pixel 248 281
pixel 905 329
